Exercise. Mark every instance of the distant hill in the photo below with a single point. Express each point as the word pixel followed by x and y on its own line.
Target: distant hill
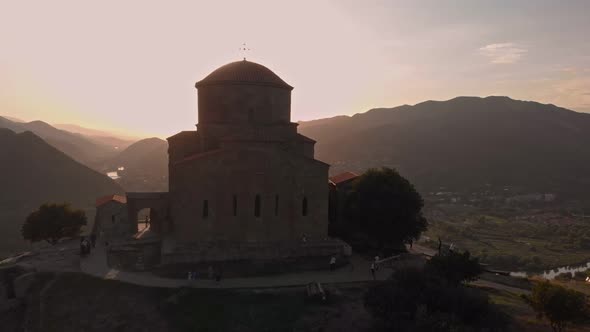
pixel 464 143
pixel 33 172
pixel 77 146
pixel 145 165
pixel 13 119
pixel 111 139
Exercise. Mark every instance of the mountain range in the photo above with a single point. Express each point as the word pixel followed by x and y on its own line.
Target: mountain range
pixel 460 144
pixel 463 144
pixel 86 149
pixel 33 172
pixel 144 161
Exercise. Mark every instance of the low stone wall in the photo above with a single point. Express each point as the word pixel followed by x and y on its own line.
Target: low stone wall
pixel 232 251
pixel 134 255
pixel 251 259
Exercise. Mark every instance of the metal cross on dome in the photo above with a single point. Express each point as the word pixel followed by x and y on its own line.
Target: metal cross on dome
pixel 244 49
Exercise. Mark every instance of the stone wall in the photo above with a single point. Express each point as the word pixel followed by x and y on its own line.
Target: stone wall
pixel 242 259
pixel 235 103
pixel 134 256
pixel 112 222
pixel 245 174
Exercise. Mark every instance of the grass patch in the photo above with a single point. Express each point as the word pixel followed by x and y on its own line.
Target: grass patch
pixel 526 241
pixel 226 310
pixel 77 302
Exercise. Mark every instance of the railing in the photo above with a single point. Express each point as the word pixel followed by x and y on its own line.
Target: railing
pixel 387 262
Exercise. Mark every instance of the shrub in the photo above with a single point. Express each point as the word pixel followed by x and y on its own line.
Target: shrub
pixel 559 305
pixel 416 301
pixel 52 222
pixel 454 267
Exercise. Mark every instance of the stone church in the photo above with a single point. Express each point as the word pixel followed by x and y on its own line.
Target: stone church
pixel 244 186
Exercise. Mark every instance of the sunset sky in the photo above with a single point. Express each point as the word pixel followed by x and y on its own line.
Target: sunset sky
pixel 132 65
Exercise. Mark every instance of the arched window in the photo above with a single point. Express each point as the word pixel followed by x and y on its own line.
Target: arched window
pixel 257 206
pixel 235 205
pixel 276 205
pixel 205 209
pixel 304 206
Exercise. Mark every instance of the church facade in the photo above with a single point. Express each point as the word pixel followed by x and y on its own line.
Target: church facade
pixel 245 185
pixel 245 174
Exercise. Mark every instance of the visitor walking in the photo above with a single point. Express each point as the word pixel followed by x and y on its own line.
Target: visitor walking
pixel 373 270
pixel 82 250
pixel 333 263
pixel 376 263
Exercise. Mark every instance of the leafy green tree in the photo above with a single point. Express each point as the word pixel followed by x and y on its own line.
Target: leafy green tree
pixel 52 222
pixel 386 207
pixel 454 267
pixel 561 306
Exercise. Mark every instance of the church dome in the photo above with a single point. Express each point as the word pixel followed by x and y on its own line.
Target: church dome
pixel 243 72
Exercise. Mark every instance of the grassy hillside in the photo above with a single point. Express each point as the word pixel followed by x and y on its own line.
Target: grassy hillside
pixel 106 305
pixel 146 165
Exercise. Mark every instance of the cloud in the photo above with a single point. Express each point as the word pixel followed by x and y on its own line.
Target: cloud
pixel 503 53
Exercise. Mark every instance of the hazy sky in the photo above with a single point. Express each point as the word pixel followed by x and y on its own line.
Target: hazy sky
pixel 132 65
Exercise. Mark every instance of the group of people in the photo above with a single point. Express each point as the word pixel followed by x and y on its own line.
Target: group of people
pixel 374 265
pixel 211 274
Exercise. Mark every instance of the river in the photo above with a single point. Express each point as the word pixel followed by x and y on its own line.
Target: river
pixel 551 274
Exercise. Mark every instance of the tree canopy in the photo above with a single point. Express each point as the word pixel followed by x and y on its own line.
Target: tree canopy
pixel 454 267
pixel 386 207
pixel 413 300
pixel 52 222
pixel 561 306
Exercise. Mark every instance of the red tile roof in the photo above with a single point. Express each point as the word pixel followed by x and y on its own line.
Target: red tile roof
pixel 199 155
pixel 105 199
pixel 343 177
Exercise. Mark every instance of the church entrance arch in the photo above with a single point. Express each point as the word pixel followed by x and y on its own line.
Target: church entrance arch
pixel 143 218
pixel 149 209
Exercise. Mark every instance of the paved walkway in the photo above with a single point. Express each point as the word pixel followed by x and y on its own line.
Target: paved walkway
pixel 95 264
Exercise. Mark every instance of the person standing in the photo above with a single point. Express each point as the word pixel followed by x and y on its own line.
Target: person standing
pixel 373 271
pixel 82 249
pixel 376 262
pixel 333 263
pixel 93 240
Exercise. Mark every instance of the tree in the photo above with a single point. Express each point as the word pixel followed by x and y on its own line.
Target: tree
pixel 413 300
pixel 561 306
pixel 386 207
pixel 454 267
pixel 52 222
